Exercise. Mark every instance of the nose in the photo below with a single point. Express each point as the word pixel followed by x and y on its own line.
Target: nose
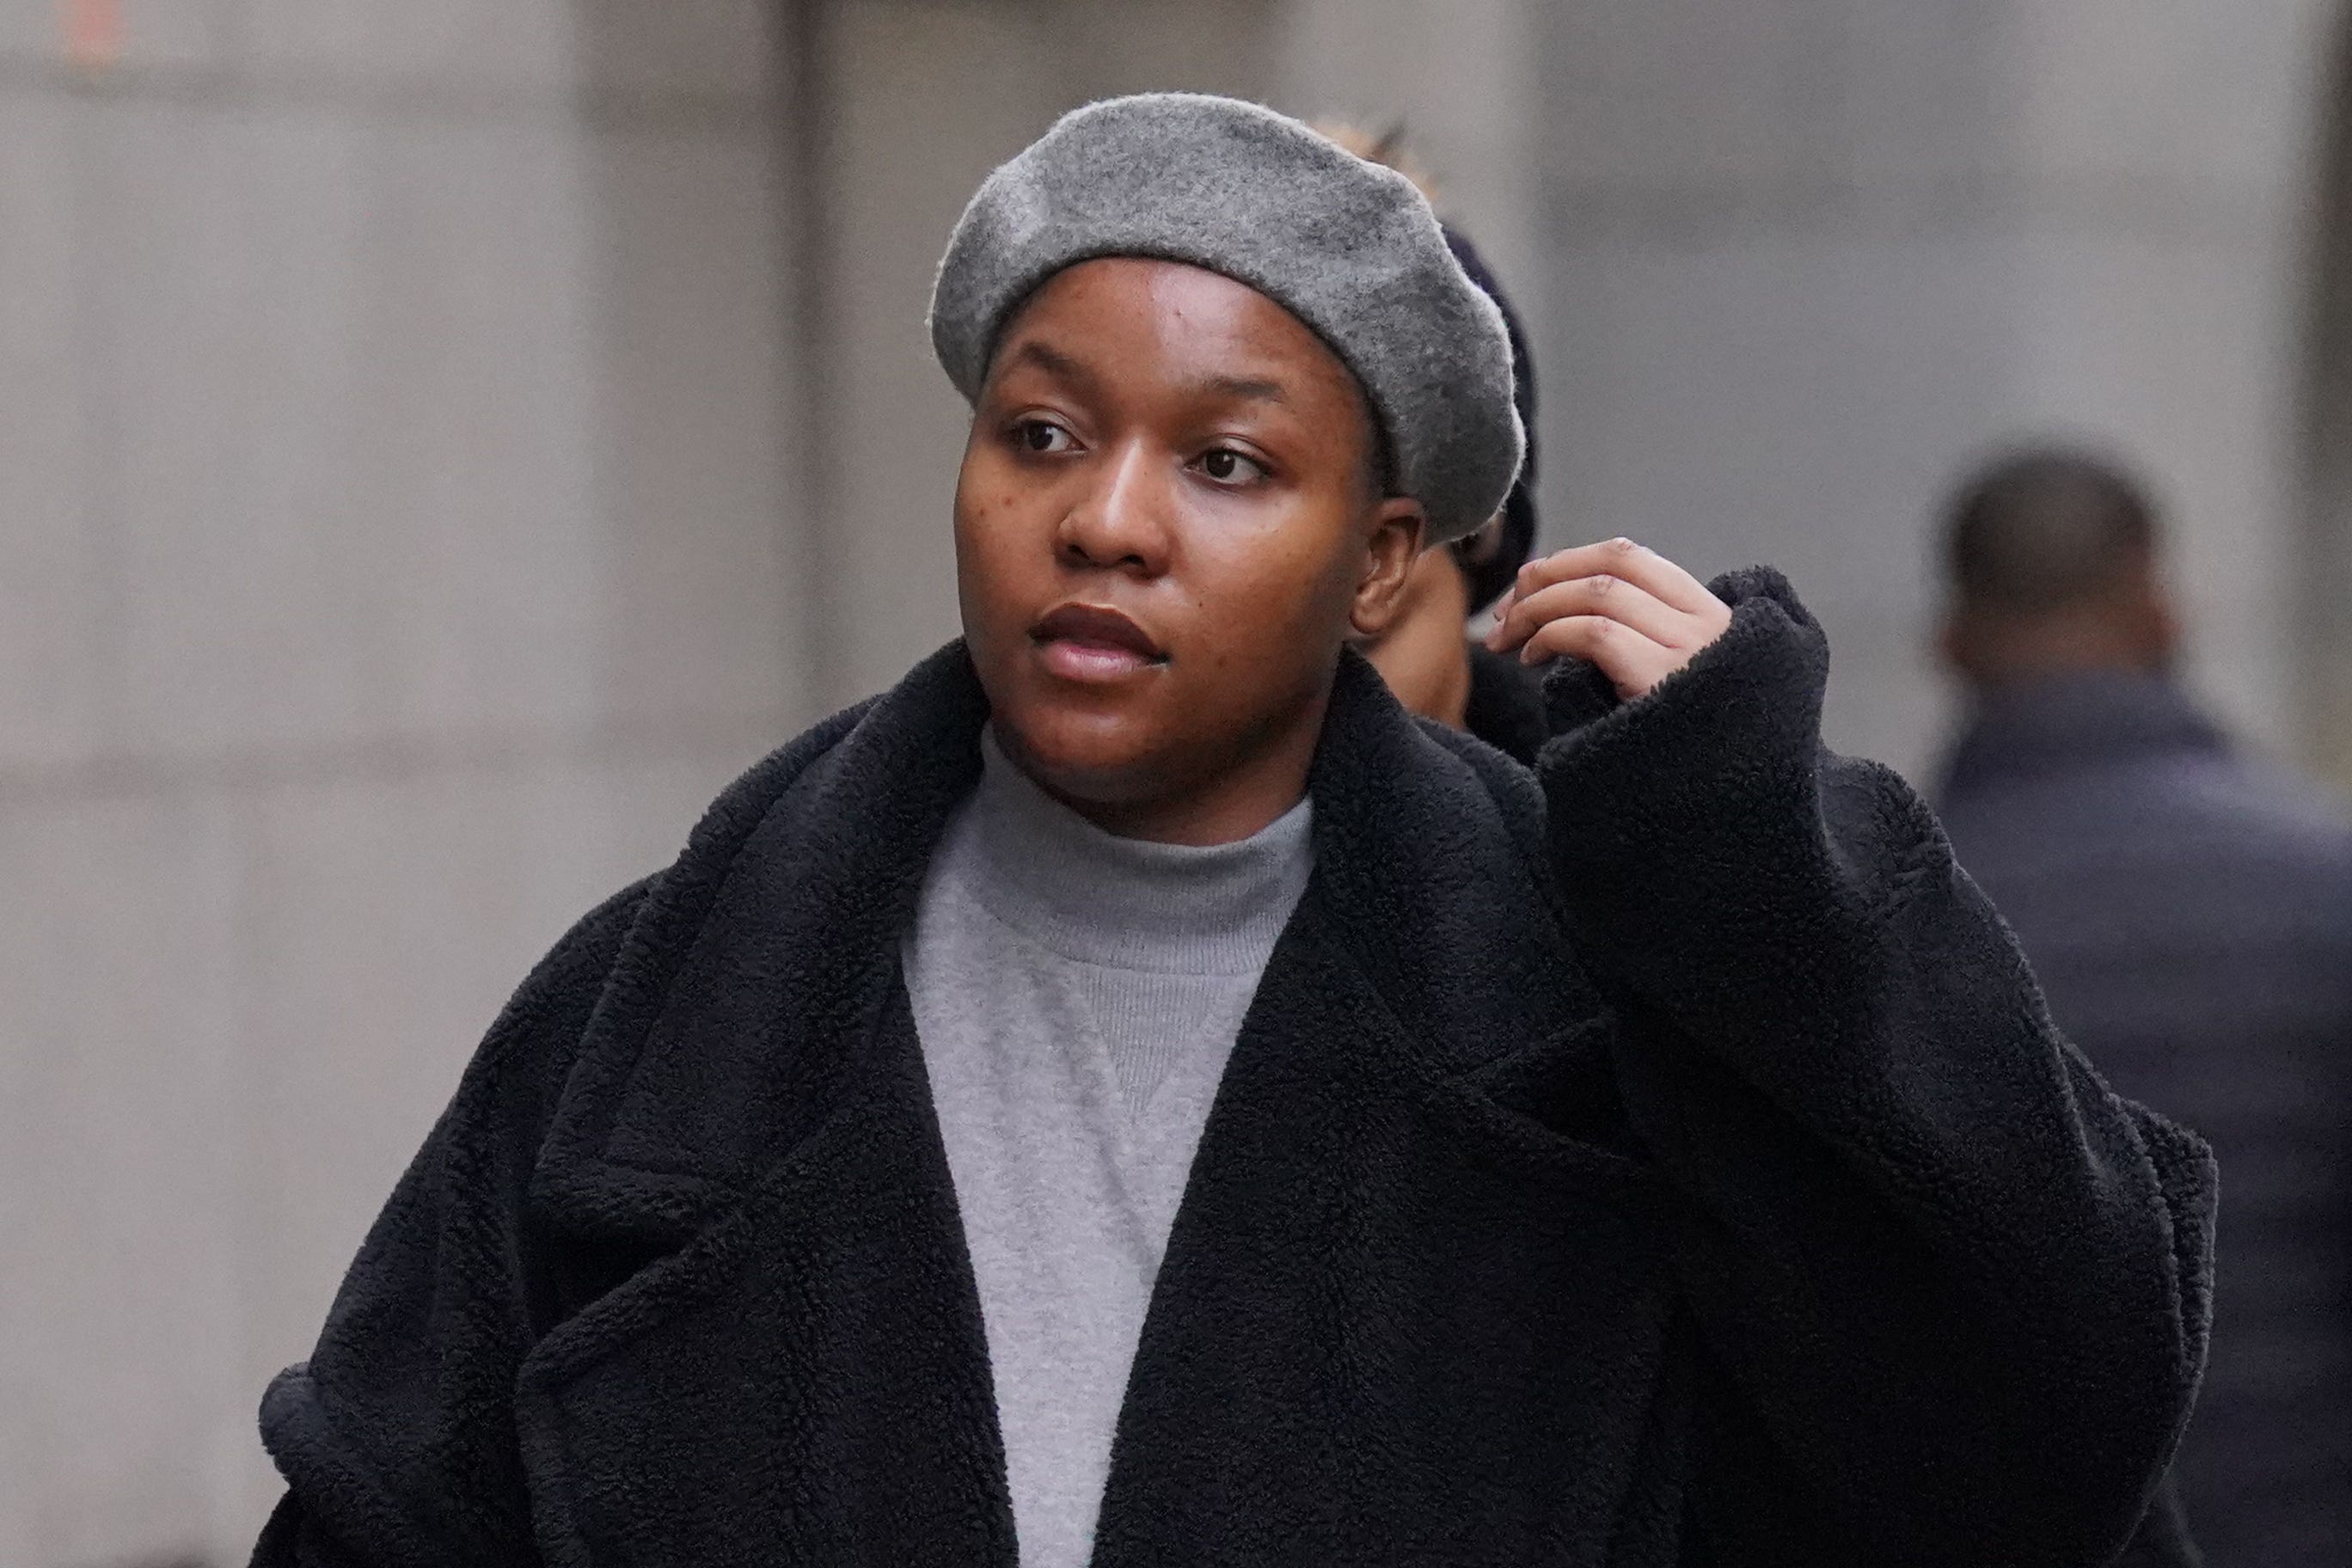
pixel 1121 521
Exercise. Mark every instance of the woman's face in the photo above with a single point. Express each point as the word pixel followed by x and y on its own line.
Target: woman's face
pixel 1165 529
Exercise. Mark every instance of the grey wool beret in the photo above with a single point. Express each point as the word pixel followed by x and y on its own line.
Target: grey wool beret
pixel 1348 247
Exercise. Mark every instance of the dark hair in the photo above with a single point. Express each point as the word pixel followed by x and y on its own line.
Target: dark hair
pixel 2046 528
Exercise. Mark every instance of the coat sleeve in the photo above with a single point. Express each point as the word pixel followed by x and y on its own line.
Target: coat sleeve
pixel 397 1436
pixel 1959 1286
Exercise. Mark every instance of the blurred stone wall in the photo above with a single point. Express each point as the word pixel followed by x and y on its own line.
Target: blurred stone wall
pixel 440 443
pixel 395 551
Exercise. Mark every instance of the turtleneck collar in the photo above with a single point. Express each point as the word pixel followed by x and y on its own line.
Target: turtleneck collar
pixel 1125 902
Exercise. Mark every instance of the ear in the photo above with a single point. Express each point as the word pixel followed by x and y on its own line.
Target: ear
pixel 2155 620
pixel 1398 527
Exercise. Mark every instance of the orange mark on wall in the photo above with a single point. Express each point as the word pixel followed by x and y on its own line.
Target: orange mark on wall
pixel 94 33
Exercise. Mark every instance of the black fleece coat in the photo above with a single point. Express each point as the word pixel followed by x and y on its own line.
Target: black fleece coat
pixel 1659 1157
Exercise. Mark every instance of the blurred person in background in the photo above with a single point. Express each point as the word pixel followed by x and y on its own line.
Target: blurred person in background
pixel 1134 1094
pixel 2188 912
pixel 1426 655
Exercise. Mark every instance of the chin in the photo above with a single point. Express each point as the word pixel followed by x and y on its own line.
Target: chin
pixel 1083 755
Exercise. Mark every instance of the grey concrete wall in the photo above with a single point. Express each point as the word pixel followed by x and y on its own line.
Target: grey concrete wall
pixel 393 556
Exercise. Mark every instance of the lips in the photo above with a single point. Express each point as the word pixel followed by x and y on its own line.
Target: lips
pixel 1091 642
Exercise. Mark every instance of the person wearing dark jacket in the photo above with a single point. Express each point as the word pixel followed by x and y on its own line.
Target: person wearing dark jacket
pixel 1423 653
pixel 1132 1094
pixel 2189 910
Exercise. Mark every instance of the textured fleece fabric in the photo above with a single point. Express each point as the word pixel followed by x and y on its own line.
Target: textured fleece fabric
pixel 1075 995
pixel 1348 247
pixel 2190 911
pixel 1506 707
pixel 1658 1157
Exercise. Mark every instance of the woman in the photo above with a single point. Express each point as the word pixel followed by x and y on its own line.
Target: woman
pixel 1131 1094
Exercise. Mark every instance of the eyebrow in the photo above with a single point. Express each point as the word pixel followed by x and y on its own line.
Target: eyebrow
pixel 1052 362
pixel 1247 388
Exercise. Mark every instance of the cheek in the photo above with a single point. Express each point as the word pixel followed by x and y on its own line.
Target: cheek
pixel 1318 568
pixel 1283 602
pixel 999 549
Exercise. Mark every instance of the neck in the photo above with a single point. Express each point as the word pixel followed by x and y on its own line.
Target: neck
pixel 1996 652
pixel 1123 902
pixel 2064 654
pixel 1423 655
pixel 1234 797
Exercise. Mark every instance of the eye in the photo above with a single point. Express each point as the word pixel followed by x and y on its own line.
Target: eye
pixel 1225 466
pixel 1043 436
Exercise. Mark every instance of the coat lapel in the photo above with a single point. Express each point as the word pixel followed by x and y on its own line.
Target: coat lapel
pixel 745 1190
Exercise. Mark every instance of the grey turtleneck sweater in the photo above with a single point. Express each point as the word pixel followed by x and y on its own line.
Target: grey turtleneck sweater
pixel 1076 996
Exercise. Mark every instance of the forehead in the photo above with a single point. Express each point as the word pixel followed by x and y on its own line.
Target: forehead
pixel 1130 320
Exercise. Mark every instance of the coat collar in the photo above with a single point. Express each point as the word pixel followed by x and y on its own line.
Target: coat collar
pixel 759 963
pixel 736 1018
